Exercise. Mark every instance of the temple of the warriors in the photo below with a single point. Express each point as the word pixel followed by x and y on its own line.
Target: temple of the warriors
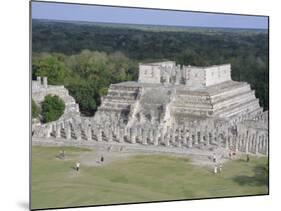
pixel 170 105
pixel 167 94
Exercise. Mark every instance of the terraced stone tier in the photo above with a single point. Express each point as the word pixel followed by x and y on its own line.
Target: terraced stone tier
pixel 225 100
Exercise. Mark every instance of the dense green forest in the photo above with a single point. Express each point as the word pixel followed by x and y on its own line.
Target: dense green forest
pixel 88 57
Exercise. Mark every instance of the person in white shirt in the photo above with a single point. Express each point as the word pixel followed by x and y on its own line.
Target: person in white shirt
pixel 77 166
pixel 215 169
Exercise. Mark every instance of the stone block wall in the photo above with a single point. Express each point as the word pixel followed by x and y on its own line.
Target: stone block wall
pixel 217 74
pixel 149 74
pixel 40 90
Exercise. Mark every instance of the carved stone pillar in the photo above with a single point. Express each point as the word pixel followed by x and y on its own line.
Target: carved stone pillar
pixel 110 135
pixel 173 135
pixel 257 142
pixel 67 130
pixel 201 139
pixel 133 135
pixel 196 138
pixel 247 143
pixel 99 135
pixel 190 139
pixel 58 131
pixel 167 140
pixel 151 135
pixel 162 136
pixel 155 137
pixel 266 144
pixel 207 136
pixel 144 137
pixel 48 131
pixel 122 133
pixel 185 137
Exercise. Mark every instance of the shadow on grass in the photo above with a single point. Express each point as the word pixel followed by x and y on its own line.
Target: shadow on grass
pixel 260 177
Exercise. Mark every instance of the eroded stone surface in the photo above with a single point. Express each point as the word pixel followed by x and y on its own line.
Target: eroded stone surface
pixel 170 106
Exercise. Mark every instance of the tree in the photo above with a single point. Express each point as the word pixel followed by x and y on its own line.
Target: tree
pixel 51 66
pixel 35 109
pixel 86 95
pixel 52 108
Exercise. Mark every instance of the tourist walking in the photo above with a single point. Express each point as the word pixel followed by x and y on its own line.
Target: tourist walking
pixel 215 169
pixel 101 159
pixel 78 166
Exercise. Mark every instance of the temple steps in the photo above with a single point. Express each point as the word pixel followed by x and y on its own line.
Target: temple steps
pixel 238 108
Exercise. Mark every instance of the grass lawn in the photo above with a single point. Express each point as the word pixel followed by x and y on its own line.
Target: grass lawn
pixel 137 179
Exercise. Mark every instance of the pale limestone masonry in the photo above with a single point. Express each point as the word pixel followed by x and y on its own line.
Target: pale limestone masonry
pixel 172 106
pixel 169 73
pixel 40 89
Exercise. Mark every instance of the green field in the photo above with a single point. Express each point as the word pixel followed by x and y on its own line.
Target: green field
pixel 137 179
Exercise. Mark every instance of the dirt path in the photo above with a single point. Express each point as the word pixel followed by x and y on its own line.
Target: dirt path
pixel 198 157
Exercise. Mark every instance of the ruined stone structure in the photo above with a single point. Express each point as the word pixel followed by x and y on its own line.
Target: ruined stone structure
pixel 40 89
pixel 169 73
pixel 173 106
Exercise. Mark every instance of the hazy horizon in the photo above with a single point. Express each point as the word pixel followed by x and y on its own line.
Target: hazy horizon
pixel 139 16
pixel 138 24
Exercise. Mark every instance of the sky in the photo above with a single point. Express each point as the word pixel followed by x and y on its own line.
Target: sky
pixel 93 13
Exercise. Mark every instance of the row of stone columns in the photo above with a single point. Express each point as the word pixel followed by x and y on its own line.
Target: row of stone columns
pixel 246 140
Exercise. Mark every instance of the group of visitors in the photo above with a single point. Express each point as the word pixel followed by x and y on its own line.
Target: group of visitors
pixel 218 166
pixel 77 166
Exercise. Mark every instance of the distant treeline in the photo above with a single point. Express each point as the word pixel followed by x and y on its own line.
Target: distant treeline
pixel 247 51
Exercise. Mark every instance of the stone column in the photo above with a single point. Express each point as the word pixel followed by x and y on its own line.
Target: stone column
pixel 67 131
pixel 240 137
pixel 162 136
pixel 48 131
pixel 110 136
pixel 155 137
pixel 257 142
pixel 207 136
pixel 58 131
pixel 99 135
pixel 218 138
pixel 39 80
pixel 251 142
pixel 227 138
pixel 133 135
pixel 45 82
pixel 151 135
pixel 237 140
pixel 166 140
pixel 78 134
pixel 196 137
pixel 201 135
pixel 173 135
pixel 179 142
pixel 247 143
pixel 122 133
pixel 185 137
pixel 215 137
pixel 190 139
pixel 87 131
pixel 266 144
pixel 144 137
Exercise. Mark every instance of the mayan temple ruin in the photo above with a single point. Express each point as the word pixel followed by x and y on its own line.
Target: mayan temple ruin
pixel 171 106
